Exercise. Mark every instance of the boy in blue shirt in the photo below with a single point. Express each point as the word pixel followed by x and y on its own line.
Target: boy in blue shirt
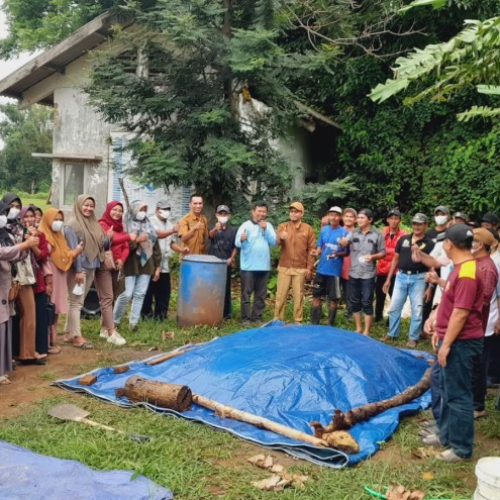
pixel 327 280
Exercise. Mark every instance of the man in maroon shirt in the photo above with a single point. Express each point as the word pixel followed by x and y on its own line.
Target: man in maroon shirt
pixel 458 340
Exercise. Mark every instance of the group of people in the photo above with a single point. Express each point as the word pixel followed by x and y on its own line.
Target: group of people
pixel 449 273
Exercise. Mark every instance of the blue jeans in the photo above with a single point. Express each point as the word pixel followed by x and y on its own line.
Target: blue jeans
pixel 361 293
pixel 135 288
pixel 456 425
pixel 413 286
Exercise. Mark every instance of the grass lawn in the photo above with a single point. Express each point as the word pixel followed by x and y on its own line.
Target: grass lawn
pixel 197 462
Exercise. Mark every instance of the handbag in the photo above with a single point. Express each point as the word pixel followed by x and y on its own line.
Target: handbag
pixel 51 313
pixel 14 290
pixel 108 264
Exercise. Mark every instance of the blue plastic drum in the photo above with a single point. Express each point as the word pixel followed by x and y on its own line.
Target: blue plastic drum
pixel 202 287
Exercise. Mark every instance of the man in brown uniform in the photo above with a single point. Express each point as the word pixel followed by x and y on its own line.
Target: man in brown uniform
pixel 297 240
pixel 193 227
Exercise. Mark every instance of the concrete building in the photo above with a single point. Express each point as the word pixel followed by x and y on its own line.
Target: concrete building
pixel 88 154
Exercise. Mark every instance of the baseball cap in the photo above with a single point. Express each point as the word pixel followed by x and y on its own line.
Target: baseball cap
pixel 223 208
pixel 351 210
pixel 443 209
pixel 298 206
pixel 459 233
pixel 484 236
pixel 461 215
pixel 490 217
pixel 420 218
pixel 495 234
pixel 395 212
pixel 336 209
pixel 163 204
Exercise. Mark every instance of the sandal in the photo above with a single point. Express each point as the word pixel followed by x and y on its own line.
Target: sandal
pixel 86 345
pixel 54 349
pixel 479 414
pixel 4 380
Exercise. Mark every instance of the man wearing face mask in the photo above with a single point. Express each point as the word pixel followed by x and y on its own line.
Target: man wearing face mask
pixel 222 245
pixel 160 290
pixel 442 218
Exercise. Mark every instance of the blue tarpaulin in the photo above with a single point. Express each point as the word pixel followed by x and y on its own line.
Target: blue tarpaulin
pixel 291 375
pixel 25 475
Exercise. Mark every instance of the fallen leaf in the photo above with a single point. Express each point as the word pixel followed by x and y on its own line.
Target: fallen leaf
pixel 257 459
pixel 399 492
pixel 268 463
pixel 151 349
pixel 428 476
pixel 277 469
pixel 268 484
pixel 167 335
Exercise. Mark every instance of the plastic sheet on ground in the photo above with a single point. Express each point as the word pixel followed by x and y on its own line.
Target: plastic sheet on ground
pixel 290 374
pixel 25 475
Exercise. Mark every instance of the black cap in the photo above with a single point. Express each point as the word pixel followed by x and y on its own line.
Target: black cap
pixel 459 233
pixel 395 212
pixel 461 215
pixel 491 218
pixel 223 208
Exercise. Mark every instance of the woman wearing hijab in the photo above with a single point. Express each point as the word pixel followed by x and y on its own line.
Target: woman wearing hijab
pixel 106 280
pixel 83 228
pixel 9 251
pixel 142 263
pixel 38 255
pixel 14 226
pixel 61 260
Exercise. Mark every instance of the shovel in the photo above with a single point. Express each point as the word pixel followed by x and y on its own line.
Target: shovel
pixel 76 414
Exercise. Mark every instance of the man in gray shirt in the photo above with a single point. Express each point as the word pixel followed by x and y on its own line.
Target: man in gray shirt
pixel 367 246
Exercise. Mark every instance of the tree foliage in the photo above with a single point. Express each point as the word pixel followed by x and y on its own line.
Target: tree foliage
pixel 23 133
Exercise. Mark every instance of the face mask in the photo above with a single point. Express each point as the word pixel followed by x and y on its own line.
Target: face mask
pixel 3 221
pixel 57 225
pixel 222 220
pixel 13 213
pixel 140 216
pixel 165 214
pixel 441 219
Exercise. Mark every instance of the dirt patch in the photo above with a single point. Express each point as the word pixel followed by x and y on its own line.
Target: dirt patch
pixel 31 383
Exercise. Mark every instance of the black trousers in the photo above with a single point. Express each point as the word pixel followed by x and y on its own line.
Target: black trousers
pixel 494 357
pixel 42 324
pixel 380 295
pixel 159 291
pixel 227 298
pixel 253 282
pixel 480 373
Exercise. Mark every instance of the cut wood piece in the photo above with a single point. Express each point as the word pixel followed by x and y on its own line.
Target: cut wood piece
pixel 172 396
pixel 343 421
pixel 87 380
pixel 165 357
pixel 121 369
pixel 225 411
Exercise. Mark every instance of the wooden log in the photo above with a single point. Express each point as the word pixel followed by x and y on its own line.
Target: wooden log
pixel 165 357
pixel 225 411
pixel 87 380
pixel 344 421
pixel 121 369
pixel 172 396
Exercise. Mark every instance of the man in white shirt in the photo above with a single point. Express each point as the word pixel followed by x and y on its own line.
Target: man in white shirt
pixel 160 290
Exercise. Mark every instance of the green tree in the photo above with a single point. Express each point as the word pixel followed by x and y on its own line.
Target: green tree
pixel 24 133
pixel 206 67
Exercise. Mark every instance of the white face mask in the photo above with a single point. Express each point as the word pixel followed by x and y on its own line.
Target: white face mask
pixel 165 214
pixel 441 219
pixel 140 216
pixel 3 221
pixel 223 220
pixel 57 225
pixel 13 213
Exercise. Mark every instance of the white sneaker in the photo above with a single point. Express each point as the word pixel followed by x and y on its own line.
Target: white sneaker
pixel 116 339
pixel 103 333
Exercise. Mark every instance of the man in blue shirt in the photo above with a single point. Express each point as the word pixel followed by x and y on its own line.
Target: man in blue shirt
pixel 254 237
pixel 327 280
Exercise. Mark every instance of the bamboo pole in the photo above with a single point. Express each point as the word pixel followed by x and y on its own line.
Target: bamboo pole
pixel 225 411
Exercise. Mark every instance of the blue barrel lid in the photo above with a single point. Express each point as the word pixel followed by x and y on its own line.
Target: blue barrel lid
pixel 204 258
